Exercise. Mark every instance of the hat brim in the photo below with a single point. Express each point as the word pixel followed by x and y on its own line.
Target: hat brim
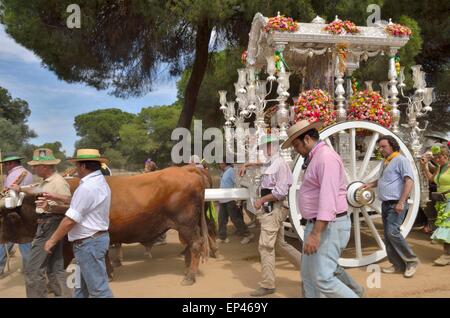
pixel 45 163
pixel 288 143
pixel 99 159
pixel 11 159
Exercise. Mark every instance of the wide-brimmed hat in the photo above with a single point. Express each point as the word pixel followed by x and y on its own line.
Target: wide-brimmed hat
pixel 299 128
pixel 265 139
pixel 43 156
pixel 11 157
pixel 88 155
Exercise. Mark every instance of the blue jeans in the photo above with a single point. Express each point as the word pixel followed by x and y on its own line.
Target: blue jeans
pixel 90 256
pixel 320 271
pixel 344 227
pixel 24 248
pixel 398 251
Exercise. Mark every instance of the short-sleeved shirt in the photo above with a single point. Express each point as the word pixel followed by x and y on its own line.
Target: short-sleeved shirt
pixel 90 206
pixel 53 184
pixel 392 178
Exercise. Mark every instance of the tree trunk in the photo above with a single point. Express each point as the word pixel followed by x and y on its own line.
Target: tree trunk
pixel 198 72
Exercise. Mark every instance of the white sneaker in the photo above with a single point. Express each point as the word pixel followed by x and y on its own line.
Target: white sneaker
pixel 389 270
pixel 247 239
pixel 223 241
pixel 410 270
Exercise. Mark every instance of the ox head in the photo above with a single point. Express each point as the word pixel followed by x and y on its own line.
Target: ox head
pixel 19 224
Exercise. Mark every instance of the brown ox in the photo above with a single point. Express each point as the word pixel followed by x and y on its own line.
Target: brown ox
pixel 142 208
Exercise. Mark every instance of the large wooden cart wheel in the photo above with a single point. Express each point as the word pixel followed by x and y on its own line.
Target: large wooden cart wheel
pixel 366 245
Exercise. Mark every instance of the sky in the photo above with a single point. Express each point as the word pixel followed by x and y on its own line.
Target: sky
pixel 54 103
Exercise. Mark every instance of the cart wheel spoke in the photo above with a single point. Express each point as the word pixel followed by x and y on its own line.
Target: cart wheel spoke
pixel 353 154
pixel 368 155
pixel 372 228
pixel 357 233
pixel 328 142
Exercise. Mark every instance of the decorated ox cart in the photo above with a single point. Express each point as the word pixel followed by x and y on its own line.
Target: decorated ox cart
pixel 323 56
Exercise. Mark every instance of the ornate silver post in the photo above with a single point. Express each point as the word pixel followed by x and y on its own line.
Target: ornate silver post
pixel 393 92
pixel 339 92
pixel 283 111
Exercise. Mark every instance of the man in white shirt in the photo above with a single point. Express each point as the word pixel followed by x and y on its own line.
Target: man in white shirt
pixel 86 223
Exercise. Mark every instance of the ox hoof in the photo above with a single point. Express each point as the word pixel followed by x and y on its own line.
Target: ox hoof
pixel 148 255
pixel 188 281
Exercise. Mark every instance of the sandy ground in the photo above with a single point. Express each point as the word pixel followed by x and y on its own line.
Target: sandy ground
pixel 236 272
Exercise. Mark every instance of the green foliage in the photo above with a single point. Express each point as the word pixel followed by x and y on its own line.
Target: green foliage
pixel 221 75
pixel 116 159
pixel 128 139
pixel 101 128
pixel 159 122
pixel 11 136
pixel 14 131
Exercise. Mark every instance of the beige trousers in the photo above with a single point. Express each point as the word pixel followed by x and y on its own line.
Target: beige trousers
pixel 271 237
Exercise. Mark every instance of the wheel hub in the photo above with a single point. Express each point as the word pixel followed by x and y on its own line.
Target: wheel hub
pixel 358 198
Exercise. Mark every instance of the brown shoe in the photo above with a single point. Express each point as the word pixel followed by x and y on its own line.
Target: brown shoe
pixel 261 291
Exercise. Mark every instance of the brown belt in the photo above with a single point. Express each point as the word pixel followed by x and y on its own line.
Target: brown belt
pixel 337 216
pixel 92 236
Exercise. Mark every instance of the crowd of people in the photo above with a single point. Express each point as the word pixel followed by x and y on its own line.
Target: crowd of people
pixel 84 215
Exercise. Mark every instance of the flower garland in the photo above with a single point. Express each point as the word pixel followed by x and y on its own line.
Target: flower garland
pixel 342 27
pixel 281 23
pixel 397 30
pixel 370 106
pixel 315 105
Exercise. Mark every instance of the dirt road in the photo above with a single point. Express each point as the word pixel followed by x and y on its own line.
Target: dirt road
pixel 237 271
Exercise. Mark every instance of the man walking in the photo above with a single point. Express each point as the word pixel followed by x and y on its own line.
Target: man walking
pixel 394 186
pixel 86 223
pixel 14 170
pixel 323 203
pixel 275 182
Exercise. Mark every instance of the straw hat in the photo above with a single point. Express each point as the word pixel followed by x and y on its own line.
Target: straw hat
pixel 299 128
pixel 11 157
pixel 43 156
pixel 88 155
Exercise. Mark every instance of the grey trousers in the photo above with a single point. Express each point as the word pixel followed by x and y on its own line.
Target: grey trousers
pixel 41 263
pixel 398 251
pixel 227 211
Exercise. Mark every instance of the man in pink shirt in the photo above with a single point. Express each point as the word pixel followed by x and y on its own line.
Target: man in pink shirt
pixel 323 203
